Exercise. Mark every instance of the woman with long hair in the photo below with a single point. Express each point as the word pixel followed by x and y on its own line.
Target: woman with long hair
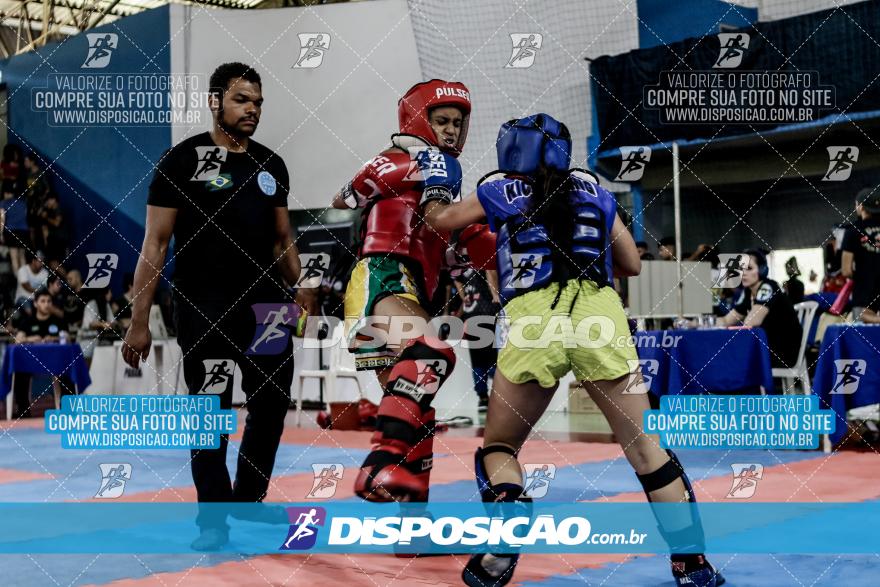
pixel 559 244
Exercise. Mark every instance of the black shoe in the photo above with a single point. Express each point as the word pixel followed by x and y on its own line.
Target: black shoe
pixel 264 514
pixel 702 575
pixel 483 405
pixel 211 539
pixel 498 573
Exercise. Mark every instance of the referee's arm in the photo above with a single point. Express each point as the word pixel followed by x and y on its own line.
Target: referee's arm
pixel 160 227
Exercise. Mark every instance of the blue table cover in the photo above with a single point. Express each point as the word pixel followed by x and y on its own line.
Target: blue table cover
pixel 44 359
pixel 858 347
pixel 701 361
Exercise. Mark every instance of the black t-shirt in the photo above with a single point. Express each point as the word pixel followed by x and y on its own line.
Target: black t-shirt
pixel 225 227
pixel 781 323
pixel 51 326
pixel 862 239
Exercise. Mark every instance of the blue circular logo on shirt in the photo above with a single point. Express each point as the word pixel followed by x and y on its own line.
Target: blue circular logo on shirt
pixel 267 183
pixel 53 329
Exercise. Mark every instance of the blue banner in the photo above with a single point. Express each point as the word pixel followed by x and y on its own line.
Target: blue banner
pixel 354 527
pixel 740 422
pixel 140 421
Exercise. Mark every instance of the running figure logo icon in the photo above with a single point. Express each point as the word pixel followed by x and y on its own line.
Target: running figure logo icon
pixel 745 480
pixel 101 48
pixel 113 478
pixel 525 269
pixel 849 373
pixel 209 160
pixel 218 376
pixel 525 48
pixel 633 162
pixel 275 323
pixel 538 478
pixel 730 271
pixel 429 374
pixel 648 368
pixel 327 478
pixel 101 267
pixel 303 531
pixel 312 47
pixel 841 162
pixel 314 266
pixel 733 47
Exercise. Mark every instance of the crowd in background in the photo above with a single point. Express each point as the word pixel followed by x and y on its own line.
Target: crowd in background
pixel 41 300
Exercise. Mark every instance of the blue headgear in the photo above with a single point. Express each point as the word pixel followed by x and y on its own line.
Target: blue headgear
pixel 525 143
pixel 763 267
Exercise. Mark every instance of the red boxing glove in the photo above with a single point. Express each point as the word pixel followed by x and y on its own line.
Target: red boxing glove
pixel 386 175
pixel 479 242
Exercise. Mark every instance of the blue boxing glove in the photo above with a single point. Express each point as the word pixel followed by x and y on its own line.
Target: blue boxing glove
pixel 441 175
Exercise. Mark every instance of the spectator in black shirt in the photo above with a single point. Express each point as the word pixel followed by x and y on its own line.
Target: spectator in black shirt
pixel 43 325
pixel 74 304
pixel 794 287
pixel 223 197
pixel 762 303
pixel 861 253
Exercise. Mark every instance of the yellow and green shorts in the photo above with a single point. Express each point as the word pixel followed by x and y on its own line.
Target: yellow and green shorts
pixel 586 332
pixel 373 279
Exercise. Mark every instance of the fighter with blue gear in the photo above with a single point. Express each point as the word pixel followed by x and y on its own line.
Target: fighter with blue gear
pixel 560 243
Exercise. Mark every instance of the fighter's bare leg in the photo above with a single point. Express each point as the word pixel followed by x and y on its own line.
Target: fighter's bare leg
pixel 514 409
pixel 624 412
pixel 662 477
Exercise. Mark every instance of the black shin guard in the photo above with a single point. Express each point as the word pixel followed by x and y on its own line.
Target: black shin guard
pixel 497 574
pixel 680 526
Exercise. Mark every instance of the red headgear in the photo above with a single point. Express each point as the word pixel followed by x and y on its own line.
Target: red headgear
pixel 413 109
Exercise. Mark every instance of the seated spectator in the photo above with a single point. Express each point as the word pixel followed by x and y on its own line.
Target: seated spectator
pixel 74 305
pixel 42 326
pixel 762 303
pixel 14 231
pixel 667 248
pixel 31 277
pixel 644 253
pixel 98 322
pixel 53 228
pixel 860 260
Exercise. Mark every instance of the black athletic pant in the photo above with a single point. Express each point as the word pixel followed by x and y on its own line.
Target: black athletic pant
pixel 215 332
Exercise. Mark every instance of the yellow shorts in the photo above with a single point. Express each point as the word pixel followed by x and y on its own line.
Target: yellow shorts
pixel 543 344
pixel 373 279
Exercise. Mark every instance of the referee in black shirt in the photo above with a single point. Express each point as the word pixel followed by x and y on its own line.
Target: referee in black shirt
pixel 223 197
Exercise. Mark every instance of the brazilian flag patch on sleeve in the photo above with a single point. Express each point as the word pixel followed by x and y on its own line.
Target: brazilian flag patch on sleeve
pixel 221 182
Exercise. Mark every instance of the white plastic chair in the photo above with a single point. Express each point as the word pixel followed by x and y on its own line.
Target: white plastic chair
pixel 806 311
pixel 340 366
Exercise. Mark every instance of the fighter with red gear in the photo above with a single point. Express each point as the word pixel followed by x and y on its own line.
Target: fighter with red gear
pixel 398 271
